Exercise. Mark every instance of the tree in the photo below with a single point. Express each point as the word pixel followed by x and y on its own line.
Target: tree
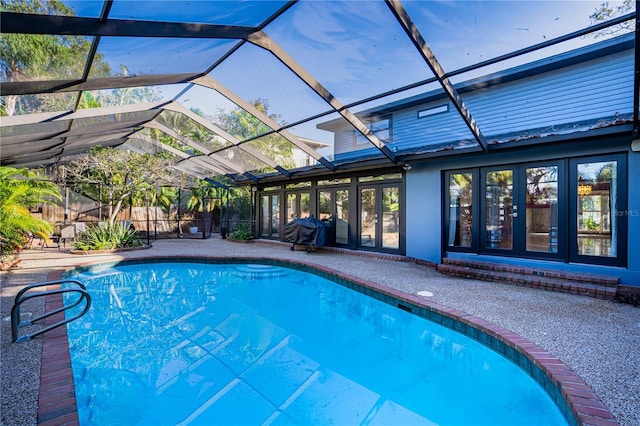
pixel 21 189
pixel 40 56
pixel 606 12
pixel 122 173
pixel 242 125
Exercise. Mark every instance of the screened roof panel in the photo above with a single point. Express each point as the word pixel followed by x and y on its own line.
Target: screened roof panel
pixel 44 102
pixel 130 56
pixel 32 130
pixel 258 85
pixel 375 55
pixel 111 121
pixel 27 138
pixel 255 74
pixel 55 57
pixel 245 161
pixel 206 100
pixel 128 96
pixel 483 29
pixel 33 157
pixel 275 147
pixel 96 139
pixel 245 13
pixel 85 8
pixel 12 150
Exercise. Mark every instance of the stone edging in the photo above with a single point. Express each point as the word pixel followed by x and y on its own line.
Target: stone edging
pixel 110 251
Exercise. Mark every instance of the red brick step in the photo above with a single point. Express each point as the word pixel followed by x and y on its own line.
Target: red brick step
pixel 598 286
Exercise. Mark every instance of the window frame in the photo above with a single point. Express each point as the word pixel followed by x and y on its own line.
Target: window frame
pixel 619 209
pixel 475 219
pixel 567 207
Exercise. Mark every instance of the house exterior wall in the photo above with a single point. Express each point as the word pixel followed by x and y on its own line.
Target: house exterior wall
pixel 575 96
pixel 424 191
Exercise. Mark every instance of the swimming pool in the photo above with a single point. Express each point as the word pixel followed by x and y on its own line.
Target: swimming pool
pixel 198 343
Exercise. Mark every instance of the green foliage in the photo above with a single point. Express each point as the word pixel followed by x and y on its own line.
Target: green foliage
pixel 121 174
pixel 107 236
pixel 606 12
pixel 19 190
pixel 243 233
pixel 43 57
pixel 590 224
pixel 242 125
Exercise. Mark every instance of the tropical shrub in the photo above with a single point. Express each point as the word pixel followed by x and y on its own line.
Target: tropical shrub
pixel 21 189
pixel 241 234
pixel 107 236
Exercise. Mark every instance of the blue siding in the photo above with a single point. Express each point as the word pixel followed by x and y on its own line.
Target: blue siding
pixel 591 91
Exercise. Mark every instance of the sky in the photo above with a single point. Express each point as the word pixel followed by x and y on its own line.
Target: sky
pixel 355 49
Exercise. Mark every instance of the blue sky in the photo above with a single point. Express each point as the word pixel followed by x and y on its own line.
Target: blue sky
pixel 354 48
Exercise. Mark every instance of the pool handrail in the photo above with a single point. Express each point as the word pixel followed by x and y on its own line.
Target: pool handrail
pixel 21 297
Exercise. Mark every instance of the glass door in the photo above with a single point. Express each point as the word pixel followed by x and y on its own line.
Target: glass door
pixel 598 210
pixel 368 217
pixel 379 217
pixel 542 206
pixel 298 206
pixel 270 216
pixel 333 207
pixel 522 210
pixel 500 209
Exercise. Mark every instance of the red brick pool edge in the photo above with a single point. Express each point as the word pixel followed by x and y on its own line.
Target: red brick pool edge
pixel 57 401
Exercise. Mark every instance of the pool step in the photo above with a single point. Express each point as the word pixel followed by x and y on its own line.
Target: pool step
pixel 598 286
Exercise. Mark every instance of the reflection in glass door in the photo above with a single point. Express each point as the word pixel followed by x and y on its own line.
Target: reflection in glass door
pixel 337 213
pixel 270 216
pixel 368 217
pixel 297 205
pixel 390 217
pixel 541 213
pixel 499 209
pixel 597 193
pixel 380 217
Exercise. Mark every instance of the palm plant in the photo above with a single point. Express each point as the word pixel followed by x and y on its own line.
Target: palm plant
pixel 19 190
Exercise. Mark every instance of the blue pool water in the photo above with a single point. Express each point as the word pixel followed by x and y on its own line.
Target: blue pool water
pixel 206 344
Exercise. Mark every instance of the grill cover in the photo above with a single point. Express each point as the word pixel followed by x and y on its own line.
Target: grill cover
pixel 308 231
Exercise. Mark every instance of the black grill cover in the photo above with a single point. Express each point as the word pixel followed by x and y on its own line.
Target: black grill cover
pixel 308 231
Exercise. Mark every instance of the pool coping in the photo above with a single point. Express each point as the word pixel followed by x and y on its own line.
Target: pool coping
pixel 577 401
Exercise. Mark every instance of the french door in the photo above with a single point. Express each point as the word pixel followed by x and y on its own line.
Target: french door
pixel 379 217
pixel 521 212
pixel 270 215
pixel 333 206
pixel 298 205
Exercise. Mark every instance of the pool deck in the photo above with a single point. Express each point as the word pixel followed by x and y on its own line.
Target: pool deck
pixel 598 340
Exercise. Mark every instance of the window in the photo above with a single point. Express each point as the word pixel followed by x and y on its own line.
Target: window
pixel 599 196
pixel 381 128
pixel 433 111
